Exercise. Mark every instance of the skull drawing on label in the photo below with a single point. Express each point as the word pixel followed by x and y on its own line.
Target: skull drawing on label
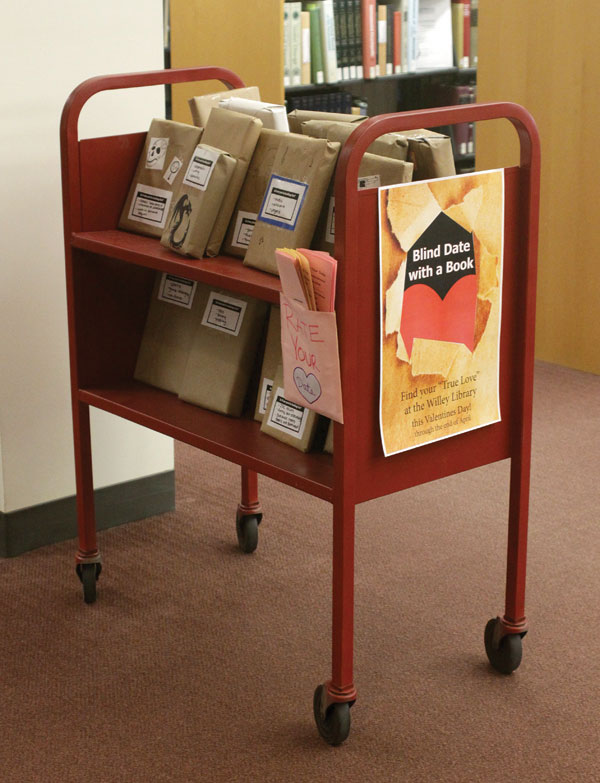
pixel 157 152
pixel 180 222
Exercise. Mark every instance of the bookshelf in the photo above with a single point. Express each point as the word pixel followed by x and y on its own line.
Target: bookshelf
pixel 420 73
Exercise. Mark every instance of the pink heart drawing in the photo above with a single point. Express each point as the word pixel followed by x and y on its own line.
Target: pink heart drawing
pixel 308 385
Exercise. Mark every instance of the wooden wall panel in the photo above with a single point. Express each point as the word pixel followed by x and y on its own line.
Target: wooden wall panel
pixel 246 37
pixel 545 54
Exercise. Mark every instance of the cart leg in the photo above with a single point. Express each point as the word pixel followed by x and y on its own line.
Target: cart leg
pixel 332 700
pixel 88 560
pixel 249 512
pixel 503 635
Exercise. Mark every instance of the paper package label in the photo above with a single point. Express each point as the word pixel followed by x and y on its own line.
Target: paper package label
pixel 172 170
pixel 224 313
pixel 373 181
pixel 330 227
pixel 200 168
pixel 265 395
pixel 286 416
pixel 177 290
pixel 282 202
pixel 157 153
pixel 150 205
pixel 244 226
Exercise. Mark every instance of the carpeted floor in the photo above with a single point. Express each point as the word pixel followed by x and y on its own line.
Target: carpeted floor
pixel 198 663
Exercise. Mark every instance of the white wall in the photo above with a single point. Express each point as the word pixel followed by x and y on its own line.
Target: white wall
pixel 47 49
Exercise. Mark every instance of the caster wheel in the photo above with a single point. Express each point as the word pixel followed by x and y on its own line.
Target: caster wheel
pixel 505 657
pixel 88 574
pixel 335 726
pixel 247 531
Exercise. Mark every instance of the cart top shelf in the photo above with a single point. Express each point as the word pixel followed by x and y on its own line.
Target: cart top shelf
pixel 222 271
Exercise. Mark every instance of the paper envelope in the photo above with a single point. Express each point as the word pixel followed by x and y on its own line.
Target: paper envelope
pixel 311 365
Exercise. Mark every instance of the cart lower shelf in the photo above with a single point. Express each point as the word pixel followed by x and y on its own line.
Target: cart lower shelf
pixel 237 440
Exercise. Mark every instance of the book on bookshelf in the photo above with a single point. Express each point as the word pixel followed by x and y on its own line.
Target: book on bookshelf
pixel 287 45
pixel 465 62
pixel 328 41
pixel 296 43
pixel 461 31
pixel 369 38
pixel 474 33
pixel 435 35
pixel 340 41
pixel 381 39
pixel 317 72
pixel 397 60
pixel 305 43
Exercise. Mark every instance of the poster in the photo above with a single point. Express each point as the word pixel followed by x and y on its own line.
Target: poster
pixel 441 251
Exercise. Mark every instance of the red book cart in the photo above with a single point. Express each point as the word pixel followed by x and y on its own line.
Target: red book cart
pixel 110 274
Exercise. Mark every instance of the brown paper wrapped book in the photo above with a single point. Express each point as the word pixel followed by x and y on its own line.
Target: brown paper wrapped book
pixel 271 361
pixel 292 202
pixel 236 134
pixel 198 200
pixel 251 195
pixel 202 105
pixel 374 171
pixel 390 145
pixel 223 350
pixel 166 154
pixel 287 421
pixel 298 116
pixel 174 310
pixel 431 152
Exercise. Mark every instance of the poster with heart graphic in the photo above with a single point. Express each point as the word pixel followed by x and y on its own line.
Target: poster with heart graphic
pixel 311 364
pixel 441 252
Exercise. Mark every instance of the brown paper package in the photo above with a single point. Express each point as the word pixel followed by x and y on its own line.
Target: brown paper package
pixel 431 152
pixel 202 105
pixel 223 350
pixel 328 447
pixel 271 361
pixel 293 200
pixel 236 134
pixel 298 116
pixel 167 151
pixel 198 200
pixel 390 145
pixel 251 195
pixel 374 171
pixel 163 351
pixel 287 421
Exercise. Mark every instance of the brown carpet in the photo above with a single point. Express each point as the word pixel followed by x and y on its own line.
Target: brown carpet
pixel 198 663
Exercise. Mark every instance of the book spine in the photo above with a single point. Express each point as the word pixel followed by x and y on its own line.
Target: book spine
pixel 328 41
pixel 389 58
pixel 369 38
pixel 339 9
pixel 458 27
pixel 348 33
pixel 381 39
pixel 316 52
pixel 466 33
pixel 413 45
pixel 404 50
pixel 474 33
pixel 397 56
pixel 357 47
pixel 296 41
pixel 305 38
pixel 287 46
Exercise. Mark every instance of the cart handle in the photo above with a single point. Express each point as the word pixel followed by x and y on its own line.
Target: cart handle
pixel 370 129
pixel 69 138
pixel 84 91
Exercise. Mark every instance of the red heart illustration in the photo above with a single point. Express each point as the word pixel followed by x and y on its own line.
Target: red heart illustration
pixel 451 319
